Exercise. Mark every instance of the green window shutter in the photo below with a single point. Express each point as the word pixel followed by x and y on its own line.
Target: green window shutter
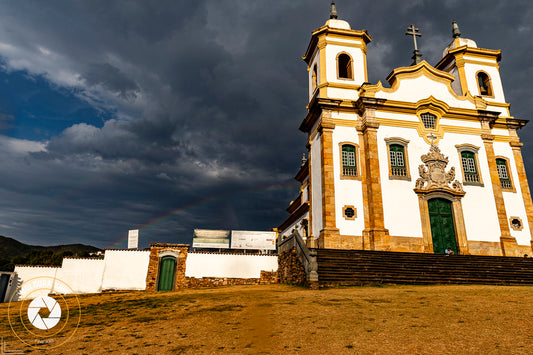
pixel 469 163
pixel 348 156
pixel 502 169
pixel 349 165
pixel 396 156
pixel 505 181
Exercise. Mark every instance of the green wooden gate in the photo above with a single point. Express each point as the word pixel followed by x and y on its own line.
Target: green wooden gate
pixel 442 230
pixel 166 273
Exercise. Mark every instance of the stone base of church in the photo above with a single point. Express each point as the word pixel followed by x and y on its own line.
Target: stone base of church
pixel 407 244
pixel 330 238
pixel 384 242
pixel 376 239
pixel 511 248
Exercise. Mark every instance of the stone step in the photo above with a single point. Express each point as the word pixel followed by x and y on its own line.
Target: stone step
pixel 343 267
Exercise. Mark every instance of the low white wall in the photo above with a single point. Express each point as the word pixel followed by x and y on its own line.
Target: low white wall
pixel 25 273
pixel 82 275
pixel 125 269
pixel 229 265
pixel 119 270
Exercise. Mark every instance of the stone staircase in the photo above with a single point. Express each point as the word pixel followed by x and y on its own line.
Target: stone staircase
pixel 361 267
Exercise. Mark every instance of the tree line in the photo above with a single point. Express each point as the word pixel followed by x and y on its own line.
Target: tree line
pixel 38 257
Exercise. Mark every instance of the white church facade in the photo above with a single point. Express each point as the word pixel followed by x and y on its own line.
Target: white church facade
pixel 433 162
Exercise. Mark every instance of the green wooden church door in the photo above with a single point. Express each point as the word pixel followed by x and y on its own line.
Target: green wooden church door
pixel 166 273
pixel 442 230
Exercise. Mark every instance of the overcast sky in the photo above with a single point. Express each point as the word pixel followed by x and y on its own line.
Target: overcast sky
pixel 174 115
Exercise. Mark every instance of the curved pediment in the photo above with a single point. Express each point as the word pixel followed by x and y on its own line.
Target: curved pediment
pixel 420 82
pixel 422 68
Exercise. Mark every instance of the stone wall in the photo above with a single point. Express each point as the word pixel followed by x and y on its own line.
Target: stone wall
pixel 267 277
pixel 158 250
pixel 290 268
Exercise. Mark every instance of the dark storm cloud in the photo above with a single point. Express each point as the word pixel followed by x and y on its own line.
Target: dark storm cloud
pixel 112 79
pixel 206 99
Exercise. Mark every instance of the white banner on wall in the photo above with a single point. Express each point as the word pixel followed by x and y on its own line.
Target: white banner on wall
pixel 206 238
pixel 253 240
pixel 133 239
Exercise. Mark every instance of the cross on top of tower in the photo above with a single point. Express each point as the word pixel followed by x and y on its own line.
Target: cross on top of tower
pixel 413 31
pixel 333 11
pixel 432 138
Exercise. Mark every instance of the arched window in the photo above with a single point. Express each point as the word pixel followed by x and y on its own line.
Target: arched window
pixel 483 82
pixel 349 162
pixel 503 174
pixel 314 78
pixel 344 66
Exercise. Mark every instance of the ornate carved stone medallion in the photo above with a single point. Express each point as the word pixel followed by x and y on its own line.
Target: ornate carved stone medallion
pixel 433 175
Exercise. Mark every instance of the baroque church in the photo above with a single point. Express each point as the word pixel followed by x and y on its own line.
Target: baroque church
pixel 432 162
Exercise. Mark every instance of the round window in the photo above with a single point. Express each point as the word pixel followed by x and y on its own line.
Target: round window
pixel 349 212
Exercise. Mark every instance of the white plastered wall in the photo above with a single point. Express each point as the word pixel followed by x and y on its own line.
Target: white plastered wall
pixel 422 87
pixel 470 71
pixel 82 275
pixel 400 203
pixel 25 273
pixel 125 269
pixel 514 202
pixel 229 265
pixel 482 226
pixel 348 192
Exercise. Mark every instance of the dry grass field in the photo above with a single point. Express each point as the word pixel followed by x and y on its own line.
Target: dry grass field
pixel 276 319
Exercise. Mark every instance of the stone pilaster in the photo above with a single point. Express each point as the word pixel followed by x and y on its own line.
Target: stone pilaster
pixel 375 235
pixel 329 235
pixel 522 179
pixel 505 239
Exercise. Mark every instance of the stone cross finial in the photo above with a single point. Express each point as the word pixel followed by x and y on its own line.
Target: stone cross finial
pixel 432 138
pixel 413 31
pixel 333 11
pixel 455 30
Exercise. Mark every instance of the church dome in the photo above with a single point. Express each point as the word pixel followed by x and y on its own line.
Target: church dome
pixel 341 24
pixel 459 42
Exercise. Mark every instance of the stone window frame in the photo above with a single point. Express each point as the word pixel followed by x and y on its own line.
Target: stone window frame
pixel 344 208
pixel 314 78
pixel 404 143
pixel 509 173
pixel 512 225
pixel 434 130
pixel 349 69
pixel 488 82
pixel 467 147
pixel 357 162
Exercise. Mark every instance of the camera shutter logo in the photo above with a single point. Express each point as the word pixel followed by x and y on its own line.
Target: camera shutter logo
pixel 48 322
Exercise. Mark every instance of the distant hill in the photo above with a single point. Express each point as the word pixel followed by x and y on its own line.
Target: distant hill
pixel 14 252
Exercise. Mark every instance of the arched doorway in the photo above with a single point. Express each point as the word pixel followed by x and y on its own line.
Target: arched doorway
pixel 442 226
pixel 167 269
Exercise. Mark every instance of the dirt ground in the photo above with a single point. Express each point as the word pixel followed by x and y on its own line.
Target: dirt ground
pixel 274 319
